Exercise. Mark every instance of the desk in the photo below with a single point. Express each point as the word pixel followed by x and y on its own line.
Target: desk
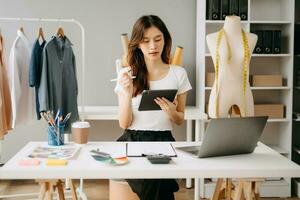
pixel 264 162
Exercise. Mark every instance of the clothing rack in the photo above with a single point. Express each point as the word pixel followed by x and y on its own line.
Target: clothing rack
pixel 8 19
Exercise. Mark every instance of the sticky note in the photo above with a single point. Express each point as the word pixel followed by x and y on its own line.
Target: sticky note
pixel 56 162
pixel 29 162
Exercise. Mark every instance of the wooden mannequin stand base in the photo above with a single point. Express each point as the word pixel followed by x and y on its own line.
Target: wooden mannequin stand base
pixel 245 189
pixel 47 187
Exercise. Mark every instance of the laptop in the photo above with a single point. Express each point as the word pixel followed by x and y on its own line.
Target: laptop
pixel 229 136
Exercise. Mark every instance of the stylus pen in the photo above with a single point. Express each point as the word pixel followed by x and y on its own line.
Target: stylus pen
pixel 115 79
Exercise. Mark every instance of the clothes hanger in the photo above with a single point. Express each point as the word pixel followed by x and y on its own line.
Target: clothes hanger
pixel 21 29
pixel 41 34
pixel 60 32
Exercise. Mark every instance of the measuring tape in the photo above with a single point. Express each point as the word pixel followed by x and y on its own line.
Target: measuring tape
pixel 246 59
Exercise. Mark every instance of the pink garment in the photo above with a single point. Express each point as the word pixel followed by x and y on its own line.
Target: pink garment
pixel 5 99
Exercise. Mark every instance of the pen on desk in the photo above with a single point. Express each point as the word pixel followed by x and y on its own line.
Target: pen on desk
pixel 115 79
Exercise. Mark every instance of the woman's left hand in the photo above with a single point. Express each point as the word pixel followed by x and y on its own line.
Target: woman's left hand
pixel 166 105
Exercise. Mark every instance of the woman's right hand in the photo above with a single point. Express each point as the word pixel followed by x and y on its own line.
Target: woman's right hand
pixel 126 82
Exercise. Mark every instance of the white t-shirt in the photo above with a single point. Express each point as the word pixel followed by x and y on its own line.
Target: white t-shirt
pixel 158 120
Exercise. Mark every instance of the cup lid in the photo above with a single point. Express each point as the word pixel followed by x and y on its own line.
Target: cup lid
pixel 80 125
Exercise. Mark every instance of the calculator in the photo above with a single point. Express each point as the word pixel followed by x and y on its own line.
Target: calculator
pixel 159 159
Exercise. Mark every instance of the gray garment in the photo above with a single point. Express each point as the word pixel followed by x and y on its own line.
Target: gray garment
pixel 35 67
pixel 58 87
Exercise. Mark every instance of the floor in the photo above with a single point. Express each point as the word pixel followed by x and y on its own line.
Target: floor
pixel 94 189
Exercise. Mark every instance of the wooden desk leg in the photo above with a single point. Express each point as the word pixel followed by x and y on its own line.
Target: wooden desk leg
pixel 218 190
pixel 60 190
pixel 73 190
pixel 247 190
pixel 228 189
pixel 223 189
pixel 255 190
pixel 42 191
pixel 250 189
pixel 48 187
pixel 238 194
pixel 48 191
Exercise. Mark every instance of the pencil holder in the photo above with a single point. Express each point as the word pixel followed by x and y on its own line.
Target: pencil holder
pixel 55 135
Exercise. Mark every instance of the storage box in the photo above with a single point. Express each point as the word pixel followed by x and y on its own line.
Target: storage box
pixel 271 110
pixel 267 80
pixel 209 79
pixel 296 183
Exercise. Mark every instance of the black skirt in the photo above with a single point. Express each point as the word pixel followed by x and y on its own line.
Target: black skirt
pixel 151 189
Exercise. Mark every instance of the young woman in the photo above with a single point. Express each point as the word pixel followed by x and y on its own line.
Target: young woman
pixel 149 57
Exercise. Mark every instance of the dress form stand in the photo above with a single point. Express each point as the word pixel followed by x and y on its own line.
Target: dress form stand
pixel 231 49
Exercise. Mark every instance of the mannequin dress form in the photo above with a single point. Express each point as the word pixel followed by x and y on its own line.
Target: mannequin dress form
pixel 231 49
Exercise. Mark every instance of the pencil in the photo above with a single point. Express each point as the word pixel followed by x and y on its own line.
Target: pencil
pixel 115 79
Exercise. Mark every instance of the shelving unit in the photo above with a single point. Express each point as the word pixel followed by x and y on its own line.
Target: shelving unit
pixel 263 55
pixel 262 88
pixel 296 97
pixel 262 15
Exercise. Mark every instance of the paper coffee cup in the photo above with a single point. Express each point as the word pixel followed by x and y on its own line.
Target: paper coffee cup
pixel 80 131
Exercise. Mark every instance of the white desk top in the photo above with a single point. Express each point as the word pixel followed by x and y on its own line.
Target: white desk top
pixel 111 113
pixel 264 162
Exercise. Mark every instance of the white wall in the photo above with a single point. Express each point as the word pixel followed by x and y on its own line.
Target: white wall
pixel 104 22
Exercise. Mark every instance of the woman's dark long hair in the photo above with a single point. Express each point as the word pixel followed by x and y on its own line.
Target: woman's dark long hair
pixel 135 56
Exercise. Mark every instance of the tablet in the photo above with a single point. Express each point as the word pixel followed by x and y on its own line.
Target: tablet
pixel 148 96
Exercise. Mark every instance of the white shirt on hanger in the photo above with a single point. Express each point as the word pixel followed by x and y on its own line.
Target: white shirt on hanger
pixel 22 95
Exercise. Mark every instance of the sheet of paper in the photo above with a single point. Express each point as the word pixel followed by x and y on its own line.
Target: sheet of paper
pixel 145 148
pixel 57 152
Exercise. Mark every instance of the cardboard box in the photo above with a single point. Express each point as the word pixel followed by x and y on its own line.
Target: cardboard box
pixel 267 80
pixel 209 79
pixel 272 110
